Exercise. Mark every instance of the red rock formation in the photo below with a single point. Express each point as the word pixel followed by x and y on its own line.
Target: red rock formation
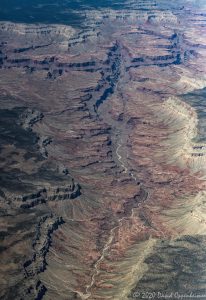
pixel 97 152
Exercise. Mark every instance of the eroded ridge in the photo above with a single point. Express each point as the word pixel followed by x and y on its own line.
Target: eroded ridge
pixel 102 192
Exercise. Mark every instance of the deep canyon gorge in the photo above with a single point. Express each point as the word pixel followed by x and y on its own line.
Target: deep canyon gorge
pixel 102 154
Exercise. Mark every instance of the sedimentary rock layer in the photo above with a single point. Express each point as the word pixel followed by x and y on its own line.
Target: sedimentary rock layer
pixel 102 192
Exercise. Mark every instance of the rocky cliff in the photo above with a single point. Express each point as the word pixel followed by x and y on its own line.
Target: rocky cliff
pixel 102 179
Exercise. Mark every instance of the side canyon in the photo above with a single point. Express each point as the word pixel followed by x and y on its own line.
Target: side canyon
pixel 102 154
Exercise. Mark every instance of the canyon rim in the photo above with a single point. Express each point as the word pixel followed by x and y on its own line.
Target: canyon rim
pixel 102 150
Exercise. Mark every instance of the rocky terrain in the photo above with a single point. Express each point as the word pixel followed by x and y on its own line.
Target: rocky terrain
pixel 102 155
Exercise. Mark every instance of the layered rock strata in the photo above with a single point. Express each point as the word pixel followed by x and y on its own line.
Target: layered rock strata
pixel 102 179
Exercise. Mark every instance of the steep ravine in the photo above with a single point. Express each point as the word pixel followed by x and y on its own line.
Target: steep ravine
pixel 102 191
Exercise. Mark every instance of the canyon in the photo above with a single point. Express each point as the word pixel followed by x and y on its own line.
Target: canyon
pixel 102 154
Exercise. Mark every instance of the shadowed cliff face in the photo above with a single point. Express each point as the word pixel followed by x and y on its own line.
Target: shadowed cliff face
pixel 29 183
pixel 102 155
pixel 170 270
pixel 197 100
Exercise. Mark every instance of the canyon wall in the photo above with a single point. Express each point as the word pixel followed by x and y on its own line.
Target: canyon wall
pixel 102 191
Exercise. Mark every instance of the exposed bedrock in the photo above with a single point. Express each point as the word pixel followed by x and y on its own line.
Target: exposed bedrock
pixel 102 191
pixel 168 271
pixel 28 216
